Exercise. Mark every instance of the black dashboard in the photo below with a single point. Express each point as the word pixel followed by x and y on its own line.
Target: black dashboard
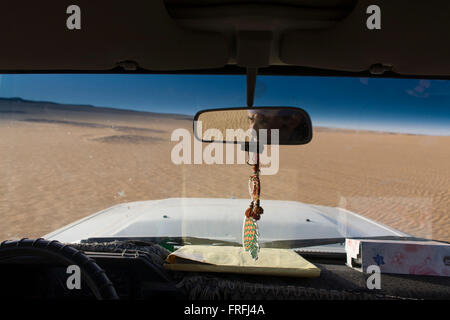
pixel 134 270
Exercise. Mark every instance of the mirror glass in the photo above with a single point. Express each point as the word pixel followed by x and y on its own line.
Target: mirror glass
pixel 269 125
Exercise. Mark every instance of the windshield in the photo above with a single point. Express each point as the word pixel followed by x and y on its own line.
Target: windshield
pixel 74 145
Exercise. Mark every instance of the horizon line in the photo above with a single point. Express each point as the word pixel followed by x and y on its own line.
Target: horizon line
pixel 16 98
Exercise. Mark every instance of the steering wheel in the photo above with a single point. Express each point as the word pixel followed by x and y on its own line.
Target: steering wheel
pixel 95 277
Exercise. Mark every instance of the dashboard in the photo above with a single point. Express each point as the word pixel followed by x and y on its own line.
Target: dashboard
pixel 134 270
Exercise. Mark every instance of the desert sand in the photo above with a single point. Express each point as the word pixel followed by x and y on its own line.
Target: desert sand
pixel 61 163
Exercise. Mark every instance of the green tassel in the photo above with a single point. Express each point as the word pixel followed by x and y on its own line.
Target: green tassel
pixel 251 237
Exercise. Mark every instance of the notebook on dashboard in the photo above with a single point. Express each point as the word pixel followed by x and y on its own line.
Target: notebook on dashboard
pixel 276 262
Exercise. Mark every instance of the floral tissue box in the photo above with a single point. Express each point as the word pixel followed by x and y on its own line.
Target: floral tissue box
pixel 403 257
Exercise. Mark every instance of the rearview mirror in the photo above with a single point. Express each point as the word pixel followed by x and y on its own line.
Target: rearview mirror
pixel 271 125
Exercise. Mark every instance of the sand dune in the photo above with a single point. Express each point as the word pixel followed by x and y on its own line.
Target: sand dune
pixel 61 163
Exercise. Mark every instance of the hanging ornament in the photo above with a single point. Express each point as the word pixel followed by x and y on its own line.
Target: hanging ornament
pixel 253 213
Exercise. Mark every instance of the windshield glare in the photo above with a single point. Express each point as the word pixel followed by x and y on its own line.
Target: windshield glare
pixel 74 145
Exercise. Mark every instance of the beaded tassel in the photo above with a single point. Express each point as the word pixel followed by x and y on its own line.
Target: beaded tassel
pixel 251 236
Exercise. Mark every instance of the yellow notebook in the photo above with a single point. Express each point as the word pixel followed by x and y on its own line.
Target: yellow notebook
pixel 275 262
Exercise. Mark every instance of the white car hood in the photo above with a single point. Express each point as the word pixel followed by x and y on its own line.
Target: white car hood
pixel 220 219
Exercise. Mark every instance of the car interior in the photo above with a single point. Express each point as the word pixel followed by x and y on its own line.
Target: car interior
pixel 205 37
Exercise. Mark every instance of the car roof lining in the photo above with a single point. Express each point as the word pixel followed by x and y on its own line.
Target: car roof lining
pixel 192 36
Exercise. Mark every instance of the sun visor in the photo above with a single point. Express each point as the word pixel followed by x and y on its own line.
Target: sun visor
pixel 412 39
pixel 35 36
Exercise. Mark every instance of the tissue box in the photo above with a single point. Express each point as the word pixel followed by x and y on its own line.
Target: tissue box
pixel 402 257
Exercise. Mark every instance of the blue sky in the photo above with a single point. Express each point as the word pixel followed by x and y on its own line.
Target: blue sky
pixel 396 105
